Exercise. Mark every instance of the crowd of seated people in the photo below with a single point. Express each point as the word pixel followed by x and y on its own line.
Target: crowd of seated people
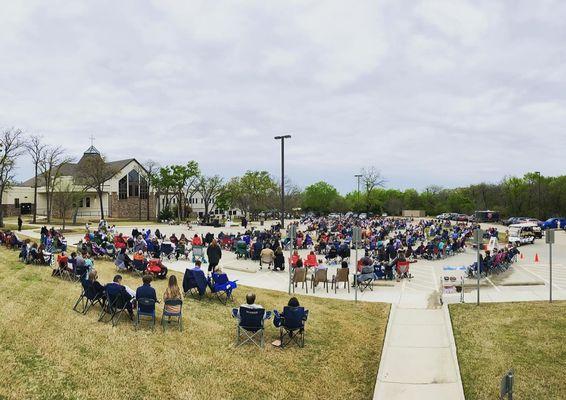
pixel 494 262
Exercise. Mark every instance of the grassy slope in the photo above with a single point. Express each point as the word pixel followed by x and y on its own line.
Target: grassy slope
pixel 530 337
pixel 50 352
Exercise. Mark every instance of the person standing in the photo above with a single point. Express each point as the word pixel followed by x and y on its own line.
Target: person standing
pixel 214 253
pixel 20 222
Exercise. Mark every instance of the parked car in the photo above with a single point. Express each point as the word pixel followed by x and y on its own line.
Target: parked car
pixel 554 223
pixel 462 218
pixel 443 216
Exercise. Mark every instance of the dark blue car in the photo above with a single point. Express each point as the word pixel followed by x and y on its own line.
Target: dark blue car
pixel 554 223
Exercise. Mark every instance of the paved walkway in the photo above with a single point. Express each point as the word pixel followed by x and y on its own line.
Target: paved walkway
pixel 419 354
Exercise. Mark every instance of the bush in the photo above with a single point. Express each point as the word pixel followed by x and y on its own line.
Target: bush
pixel 166 214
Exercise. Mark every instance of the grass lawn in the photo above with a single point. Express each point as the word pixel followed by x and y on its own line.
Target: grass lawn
pixel 49 351
pixel 529 337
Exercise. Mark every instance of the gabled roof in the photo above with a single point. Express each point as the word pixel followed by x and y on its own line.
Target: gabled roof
pixel 71 169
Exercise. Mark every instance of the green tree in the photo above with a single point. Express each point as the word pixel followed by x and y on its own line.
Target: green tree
pixel 320 197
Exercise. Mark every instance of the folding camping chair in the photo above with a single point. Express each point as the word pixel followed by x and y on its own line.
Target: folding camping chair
pixel 402 269
pixel 139 267
pixel 145 303
pixel 115 307
pixel 342 275
pixel 167 250
pixel 88 298
pixel 242 250
pixel 222 287
pixel 250 326
pixel 169 315
pixel 291 325
pixel 199 254
pixel 194 283
pixel 364 280
pixel 320 276
pixel 300 276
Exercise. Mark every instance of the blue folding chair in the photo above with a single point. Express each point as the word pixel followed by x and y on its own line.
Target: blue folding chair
pixel 222 287
pixel 169 314
pixel 146 308
pixel 291 324
pixel 250 326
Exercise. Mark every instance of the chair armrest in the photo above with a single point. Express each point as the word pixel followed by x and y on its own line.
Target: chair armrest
pixel 235 312
pixel 267 315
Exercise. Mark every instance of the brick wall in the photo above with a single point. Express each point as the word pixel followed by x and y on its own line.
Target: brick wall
pixel 130 208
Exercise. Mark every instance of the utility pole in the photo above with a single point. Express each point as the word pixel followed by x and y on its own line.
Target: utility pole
pixel 282 138
pixel 358 176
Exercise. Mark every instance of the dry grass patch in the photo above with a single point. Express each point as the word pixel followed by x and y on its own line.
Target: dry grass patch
pixel 529 336
pixel 50 352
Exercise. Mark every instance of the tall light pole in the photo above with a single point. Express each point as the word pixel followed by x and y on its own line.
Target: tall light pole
pixel 282 138
pixel 358 176
pixel 539 216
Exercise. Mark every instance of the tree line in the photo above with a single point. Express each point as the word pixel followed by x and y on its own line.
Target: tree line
pixel 257 193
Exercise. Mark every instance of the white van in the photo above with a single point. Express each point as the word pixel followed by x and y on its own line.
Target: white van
pixel 520 234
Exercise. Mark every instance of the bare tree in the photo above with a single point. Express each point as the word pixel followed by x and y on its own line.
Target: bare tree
pixel 50 167
pixel 66 198
pixel 371 178
pixel 36 149
pixel 92 173
pixel 11 147
pixel 209 188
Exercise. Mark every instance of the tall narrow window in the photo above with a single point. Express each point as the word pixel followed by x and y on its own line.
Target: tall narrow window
pixel 144 190
pixel 123 188
pixel 133 184
pixel 87 202
pixel 17 203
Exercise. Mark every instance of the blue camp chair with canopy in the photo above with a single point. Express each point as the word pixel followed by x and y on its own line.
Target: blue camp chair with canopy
pixel 291 324
pixel 194 283
pixel 222 287
pixel 250 326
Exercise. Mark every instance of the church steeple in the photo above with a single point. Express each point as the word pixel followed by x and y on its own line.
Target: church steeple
pixel 92 150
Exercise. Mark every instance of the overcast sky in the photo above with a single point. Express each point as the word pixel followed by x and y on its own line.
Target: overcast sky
pixel 433 92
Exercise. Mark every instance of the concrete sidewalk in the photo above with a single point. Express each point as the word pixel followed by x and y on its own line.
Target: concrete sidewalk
pixel 419 357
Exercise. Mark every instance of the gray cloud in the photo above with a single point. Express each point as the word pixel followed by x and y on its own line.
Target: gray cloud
pixel 446 92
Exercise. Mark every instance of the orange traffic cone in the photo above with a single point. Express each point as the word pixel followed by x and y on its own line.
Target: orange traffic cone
pixel 536 257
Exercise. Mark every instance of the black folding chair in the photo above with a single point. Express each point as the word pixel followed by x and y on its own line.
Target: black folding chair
pixel 169 315
pixel 88 298
pixel 292 325
pixel 250 326
pixel 115 306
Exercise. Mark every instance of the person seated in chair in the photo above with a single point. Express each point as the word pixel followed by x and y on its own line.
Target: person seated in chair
pixel 266 257
pixel 293 302
pixel 115 287
pixel 63 264
pixel 279 261
pixel 145 291
pixel 97 286
pixel 250 303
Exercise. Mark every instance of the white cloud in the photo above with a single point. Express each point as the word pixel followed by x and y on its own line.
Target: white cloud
pixel 444 92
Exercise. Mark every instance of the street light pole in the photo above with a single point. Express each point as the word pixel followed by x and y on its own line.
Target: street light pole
pixel 282 138
pixel 358 176
pixel 539 208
